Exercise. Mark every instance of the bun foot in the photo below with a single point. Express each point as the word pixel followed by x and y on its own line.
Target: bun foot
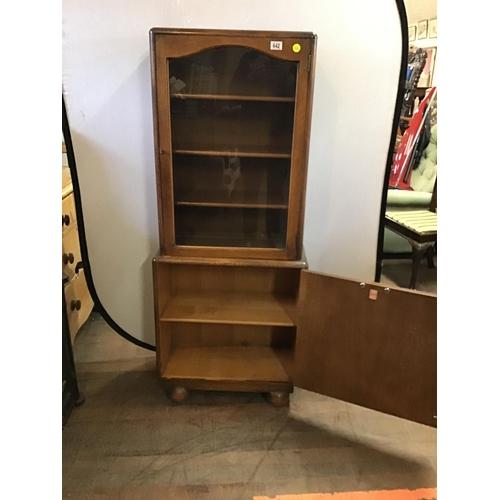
pixel 177 394
pixel 277 399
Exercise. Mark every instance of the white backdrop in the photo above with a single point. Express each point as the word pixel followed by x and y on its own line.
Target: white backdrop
pixel 106 82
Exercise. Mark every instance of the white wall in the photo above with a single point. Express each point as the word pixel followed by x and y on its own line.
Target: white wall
pixel 106 83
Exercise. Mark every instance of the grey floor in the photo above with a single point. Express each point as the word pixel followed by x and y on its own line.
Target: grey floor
pixel 398 272
pixel 129 442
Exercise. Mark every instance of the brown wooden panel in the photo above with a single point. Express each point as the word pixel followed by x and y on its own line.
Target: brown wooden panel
pixel 231 279
pixel 217 335
pixel 300 150
pixel 377 352
pixel 181 45
pixel 162 286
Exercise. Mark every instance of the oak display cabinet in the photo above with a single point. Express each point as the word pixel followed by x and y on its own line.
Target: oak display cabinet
pixel 235 307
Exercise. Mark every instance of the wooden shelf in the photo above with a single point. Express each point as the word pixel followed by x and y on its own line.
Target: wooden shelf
pixel 236 364
pixel 225 241
pixel 292 264
pixel 220 199
pixel 221 151
pixel 260 98
pixel 231 308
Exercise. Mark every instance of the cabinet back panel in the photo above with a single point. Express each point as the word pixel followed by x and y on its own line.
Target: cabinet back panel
pixel 230 227
pixel 210 335
pixel 234 279
pixel 201 124
pixel 210 179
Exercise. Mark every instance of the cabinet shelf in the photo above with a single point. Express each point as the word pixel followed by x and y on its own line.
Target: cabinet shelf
pixel 226 151
pixel 220 199
pixel 243 308
pixel 236 364
pixel 220 97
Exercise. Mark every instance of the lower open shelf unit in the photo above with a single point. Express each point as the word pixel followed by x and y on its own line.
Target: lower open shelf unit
pixel 226 325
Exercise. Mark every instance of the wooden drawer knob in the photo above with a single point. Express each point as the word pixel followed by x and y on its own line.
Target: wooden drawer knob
pixel 75 304
pixel 68 257
pixel 65 220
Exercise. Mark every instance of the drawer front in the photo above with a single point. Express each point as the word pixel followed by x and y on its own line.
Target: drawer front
pixel 68 213
pixel 71 254
pixel 78 303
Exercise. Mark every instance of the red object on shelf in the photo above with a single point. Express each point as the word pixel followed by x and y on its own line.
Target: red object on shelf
pixel 402 166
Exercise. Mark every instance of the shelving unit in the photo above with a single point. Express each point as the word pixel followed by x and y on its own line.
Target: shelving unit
pixel 226 321
pixel 232 125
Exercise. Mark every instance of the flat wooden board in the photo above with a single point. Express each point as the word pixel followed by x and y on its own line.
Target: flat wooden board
pixel 234 308
pixel 170 259
pixel 368 347
pixel 262 364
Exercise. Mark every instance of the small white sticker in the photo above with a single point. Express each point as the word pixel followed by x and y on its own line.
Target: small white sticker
pixel 276 45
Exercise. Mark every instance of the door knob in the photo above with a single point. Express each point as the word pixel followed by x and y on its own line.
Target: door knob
pixel 75 304
pixel 68 257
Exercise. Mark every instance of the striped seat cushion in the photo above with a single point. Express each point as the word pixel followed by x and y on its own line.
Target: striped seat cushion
pixel 420 221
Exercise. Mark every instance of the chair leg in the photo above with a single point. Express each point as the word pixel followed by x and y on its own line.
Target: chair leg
pixel 417 254
pixel 430 257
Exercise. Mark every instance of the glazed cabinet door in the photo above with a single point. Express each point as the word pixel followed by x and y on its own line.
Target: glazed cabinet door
pixel 368 345
pixel 232 127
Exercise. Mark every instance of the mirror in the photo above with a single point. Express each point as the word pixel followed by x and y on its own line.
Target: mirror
pixel 409 219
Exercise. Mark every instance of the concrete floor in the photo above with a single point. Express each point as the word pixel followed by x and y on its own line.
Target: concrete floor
pixel 129 442
pixel 398 272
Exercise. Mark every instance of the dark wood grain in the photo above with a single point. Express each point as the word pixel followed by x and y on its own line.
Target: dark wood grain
pixel 380 353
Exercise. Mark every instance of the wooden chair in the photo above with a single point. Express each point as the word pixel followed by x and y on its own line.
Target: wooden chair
pixel 419 227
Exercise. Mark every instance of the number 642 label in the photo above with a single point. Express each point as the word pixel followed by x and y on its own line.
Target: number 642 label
pixel 276 45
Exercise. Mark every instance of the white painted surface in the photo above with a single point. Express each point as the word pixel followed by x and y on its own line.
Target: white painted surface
pixel 106 83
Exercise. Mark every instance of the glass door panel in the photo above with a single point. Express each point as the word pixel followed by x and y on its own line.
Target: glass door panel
pixel 233 71
pixel 232 114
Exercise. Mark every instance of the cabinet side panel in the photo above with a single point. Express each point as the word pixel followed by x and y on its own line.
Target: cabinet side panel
pixel 162 293
pixel 300 154
pixel 163 145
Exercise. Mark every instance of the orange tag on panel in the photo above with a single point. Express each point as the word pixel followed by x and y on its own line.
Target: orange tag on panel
pixel 373 294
